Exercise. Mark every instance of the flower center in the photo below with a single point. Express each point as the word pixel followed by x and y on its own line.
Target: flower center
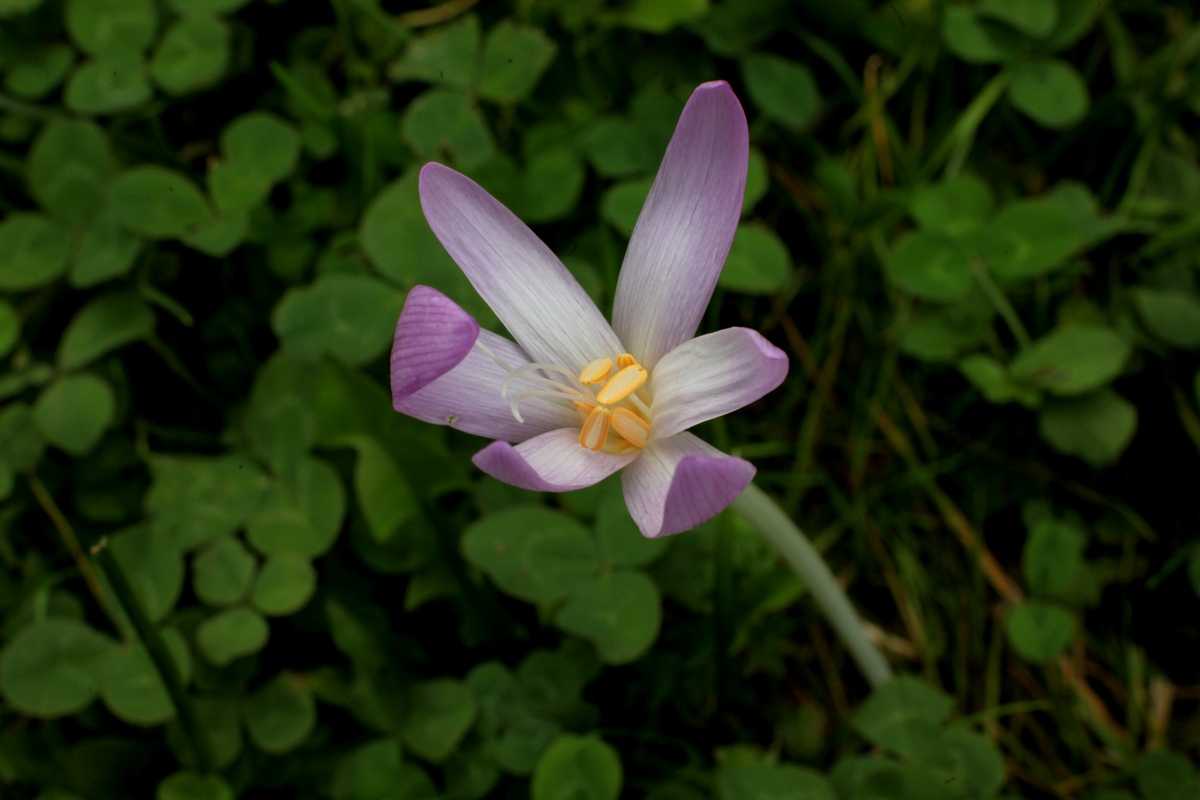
pixel 613 418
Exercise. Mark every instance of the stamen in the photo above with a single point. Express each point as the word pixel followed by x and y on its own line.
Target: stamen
pixel 630 427
pixel 625 360
pixel 517 398
pixel 583 410
pixel 642 407
pixel 596 371
pixel 488 352
pixel 623 384
pixel 520 373
pixel 595 429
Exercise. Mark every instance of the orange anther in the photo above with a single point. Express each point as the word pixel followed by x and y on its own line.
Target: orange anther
pixel 625 360
pixel 596 371
pixel 623 384
pixel 630 427
pixel 595 429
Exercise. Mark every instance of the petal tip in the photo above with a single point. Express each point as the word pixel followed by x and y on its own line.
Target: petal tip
pixel 433 335
pixel 702 487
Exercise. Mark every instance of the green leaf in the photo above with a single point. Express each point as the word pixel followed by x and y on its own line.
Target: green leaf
pixel 156 202
pixel 40 73
pixel 193 786
pixel 195 499
pixel 285 585
pixel 443 123
pixel 49 669
pixel 660 16
pixel 1029 238
pixel 111 27
pixel 758 262
pixel 10 327
pixel 758 180
pixel 376 771
pixel 1072 361
pixel 621 543
pixel 975 39
pixel 772 782
pixel 193 53
pixel 873 778
pixel 622 203
pixel 400 243
pixel 231 634
pixel 514 58
pixel 958 206
pixel 21 445
pixel 386 500
pixel 1163 775
pixel 967 759
pixel 1035 18
pixel 1052 555
pixel 69 165
pixel 1096 427
pixel 35 251
pixel 74 411
pixel 219 235
pixel 578 768
pixel 783 90
pixel 1050 91
pixel 281 418
pixel 106 323
pixel 108 84
pixel 262 143
pixel 1039 631
pixel 202 7
pixel 444 55
pixel 437 716
pixel 105 251
pixel 1172 315
pixel 154 567
pixel 281 715
pixel 130 685
pixel 619 612
pixel 902 714
pixel 993 379
pixel 301 513
pixel 931 265
pixel 222 571
pixel 352 317
pixel 548 188
pixel 531 552
pixel 11 8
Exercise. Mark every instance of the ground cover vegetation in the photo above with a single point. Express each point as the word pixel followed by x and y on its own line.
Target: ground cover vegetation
pixel 971 225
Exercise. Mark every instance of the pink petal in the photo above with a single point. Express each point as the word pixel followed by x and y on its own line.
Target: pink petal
pixel 551 462
pixel 686 227
pixel 711 376
pixel 681 482
pixel 538 300
pixel 434 381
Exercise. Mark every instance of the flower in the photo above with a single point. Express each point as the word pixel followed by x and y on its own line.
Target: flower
pixel 579 399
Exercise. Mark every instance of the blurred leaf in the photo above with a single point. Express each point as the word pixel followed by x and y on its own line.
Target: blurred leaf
pixel 193 53
pixel 194 786
pixel 1096 427
pixel 21 445
pixel 1075 17
pixel 1072 361
pixel 444 55
pixel 231 634
pixel 285 584
pixel 622 203
pixel 1050 91
pixel 619 612
pixel 281 418
pixel 219 235
pixel 621 543
pixel 193 499
pixel 1052 555
pixel 1039 631
pixel 531 552
pixel 74 411
pixel 10 327
pixel 902 714
pixel 386 500
pixel 758 180
pixel 438 715
pixel 968 759
pixel 186 7
pixel 1166 775
pixel 578 768
pixel 154 567
pixel 130 685
pixel 108 84
pixel 784 90
pixel 281 715
pixel 758 262
pixel 35 251
pixel 1172 315
pixel 1035 18
pixel 659 16
pixel 549 187
pixel 302 511
pixel 732 27
pixel 104 251
pixel 376 771
pixel 11 8
pixel 348 316
pixel 69 165
pixel 873 778
pixel 111 27
pixel 958 206
pixel 1029 238
pixel 109 321
pixel 773 782
pixel 222 571
pixel 931 265
pixel 156 202
pixel 442 123
pixel 974 39
pixel 993 379
pixel 262 143
pixel 514 58
pixel 50 668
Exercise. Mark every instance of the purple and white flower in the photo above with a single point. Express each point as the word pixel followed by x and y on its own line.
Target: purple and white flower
pixel 576 399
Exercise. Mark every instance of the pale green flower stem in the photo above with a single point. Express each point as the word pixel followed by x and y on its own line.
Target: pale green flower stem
pixel 757 508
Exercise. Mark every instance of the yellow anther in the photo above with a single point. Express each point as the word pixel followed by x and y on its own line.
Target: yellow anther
pixel 625 360
pixel 596 371
pixel 630 427
pixel 583 410
pixel 623 384
pixel 595 429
